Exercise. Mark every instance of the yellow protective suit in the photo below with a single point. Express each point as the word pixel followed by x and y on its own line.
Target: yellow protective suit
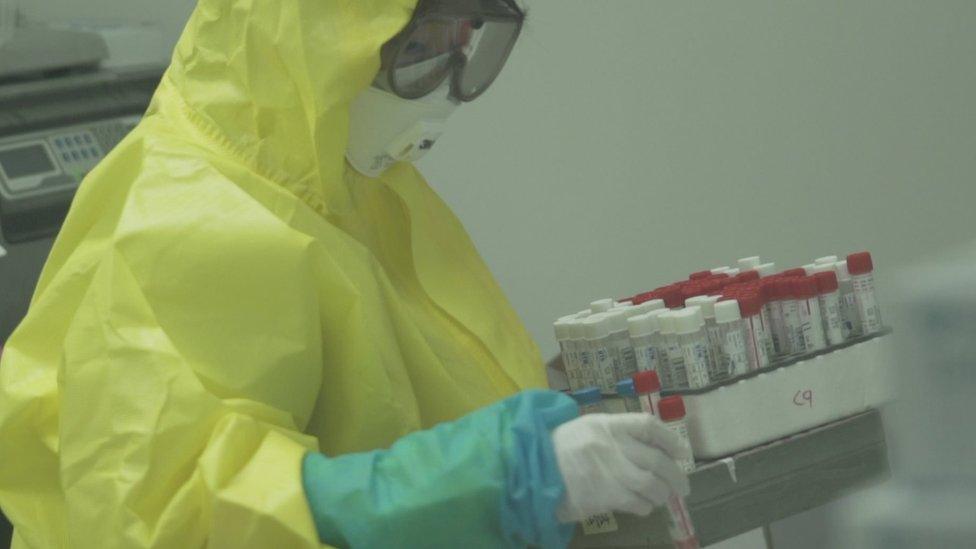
pixel 227 294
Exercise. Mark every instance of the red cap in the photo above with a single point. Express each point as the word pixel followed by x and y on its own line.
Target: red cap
pixel 647 382
pixel 671 408
pixel 712 287
pixel 805 288
pixel 799 271
pixel 826 282
pixel 783 289
pixel 747 276
pixel 749 304
pixel 767 290
pixel 860 263
pixel 672 296
pixel 700 275
pixel 644 298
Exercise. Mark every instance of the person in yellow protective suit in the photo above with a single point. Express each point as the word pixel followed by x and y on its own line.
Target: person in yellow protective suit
pixel 239 340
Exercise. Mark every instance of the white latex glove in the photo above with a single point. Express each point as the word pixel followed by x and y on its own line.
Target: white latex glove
pixel 617 462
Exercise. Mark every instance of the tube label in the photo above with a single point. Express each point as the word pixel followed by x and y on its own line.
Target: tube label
pixel 830 310
pixel 867 305
pixel 695 355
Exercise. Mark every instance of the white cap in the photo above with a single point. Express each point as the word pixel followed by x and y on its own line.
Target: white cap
pixel 823 268
pixel 688 320
pixel 695 300
pixel 596 327
pixel 644 325
pixel 584 313
pixel 567 317
pixel 842 272
pixel 727 311
pixel 601 305
pixel 830 259
pixel 616 321
pixel 652 305
pixel 766 269
pixel 632 311
pixel 810 268
pixel 707 304
pixel 563 328
pixel 622 304
pixel 577 330
pixel 747 263
pixel 720 270
pixel 667 321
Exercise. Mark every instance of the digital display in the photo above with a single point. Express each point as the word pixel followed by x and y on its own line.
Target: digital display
pixel 24 161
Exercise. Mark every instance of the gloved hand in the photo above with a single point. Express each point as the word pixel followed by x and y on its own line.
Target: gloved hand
pixel 619 462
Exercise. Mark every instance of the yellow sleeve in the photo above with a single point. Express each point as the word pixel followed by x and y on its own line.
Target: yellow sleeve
pixel 188 370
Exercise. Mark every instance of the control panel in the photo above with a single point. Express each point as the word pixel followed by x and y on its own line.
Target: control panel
pixel 40 172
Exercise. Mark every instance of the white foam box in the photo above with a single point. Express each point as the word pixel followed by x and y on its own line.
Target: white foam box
pixel 790 398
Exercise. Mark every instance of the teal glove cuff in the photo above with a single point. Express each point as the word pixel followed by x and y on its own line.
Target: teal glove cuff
pixel 489 479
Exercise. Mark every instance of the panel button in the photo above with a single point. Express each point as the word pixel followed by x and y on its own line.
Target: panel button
pixel 65 157
pixel 75 155
pixel 78 140
pixel 88 138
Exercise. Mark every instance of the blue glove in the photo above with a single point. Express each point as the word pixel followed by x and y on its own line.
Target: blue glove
pixel 489 479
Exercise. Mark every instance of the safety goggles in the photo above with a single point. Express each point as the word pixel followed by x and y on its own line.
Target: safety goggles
pixel 468 41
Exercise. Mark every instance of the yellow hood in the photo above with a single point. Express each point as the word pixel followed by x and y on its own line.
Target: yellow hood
pixel 274 80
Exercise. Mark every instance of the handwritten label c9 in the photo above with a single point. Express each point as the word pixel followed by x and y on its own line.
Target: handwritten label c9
pixel 803 397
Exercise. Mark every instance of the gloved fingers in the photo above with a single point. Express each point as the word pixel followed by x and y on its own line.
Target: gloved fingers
pixel 636 504
pixel 653 460
pixel 649 430
pixel 647 484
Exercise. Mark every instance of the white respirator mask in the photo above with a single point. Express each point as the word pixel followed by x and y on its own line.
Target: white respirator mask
pixel 385 129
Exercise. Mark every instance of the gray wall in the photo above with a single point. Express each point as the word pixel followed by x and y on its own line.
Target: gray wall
pixel 632 142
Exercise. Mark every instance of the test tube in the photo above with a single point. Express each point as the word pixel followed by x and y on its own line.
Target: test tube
pixel 777 327
pixel 677 376
pixel 672 413
pixel 850 321
pixel 601 305
pixel 707 305
pixel 811 320
pixel 750 307
pixel 567 349
pixel 792 327
pixel 648 387
pixel 765 299
pixel 628 394
pixel 624 361
pixel 749 263
pixel 689 327
pixel 734 356
pixel 861 269
pixel 597 340
pixel 589 400
pixel 646 340
pixel 584 355
pixel 830 306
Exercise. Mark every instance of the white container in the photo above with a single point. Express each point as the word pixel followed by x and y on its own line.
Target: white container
pixel 734 357
pixel 584 355
pixel 861 269
pixel 829 298
pixel 790 399
pixel 567 349
pixel 811 321
pixel 597 341
pixel 689 327
pixel 624 361
pixel 676 376
pixel 850 322
pixel 646 340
